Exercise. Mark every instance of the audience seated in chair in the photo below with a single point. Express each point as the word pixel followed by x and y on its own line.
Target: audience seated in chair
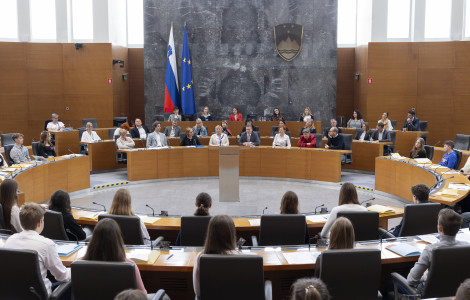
pixel 55 124
pixel 124 142
pixel 420 194
pixel 124 126
pixel 290 206
pixel 174 130
pixel 46 148
pixel 449 159
pixel 156 138
pixel 139 131
pixel 19 153
pixel 9 202
pixel 203 204
pixel 309 288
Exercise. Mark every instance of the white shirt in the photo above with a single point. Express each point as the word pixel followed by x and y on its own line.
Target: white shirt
pixel 159 141
pixel 128 143
pixel 466 168
pixel 281 141
pixel 306 118
pixel 55 126
pixel 381 135
pixel 90 138
pixel 334 214
pixel 142 133
pixel 363 135
pixel 216 141
pixel 47 255
pixel 15 218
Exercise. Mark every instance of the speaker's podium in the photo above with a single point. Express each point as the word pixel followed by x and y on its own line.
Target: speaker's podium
pixel 229 184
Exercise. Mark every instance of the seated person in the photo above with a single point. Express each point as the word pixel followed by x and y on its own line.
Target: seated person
pixel 55 124
pixel 277 116
pixel 282 123
pixel 420 194
pixel 19 153
pixel 281 139
pixel 225 129
pixel 175 115
pixel 9 201
pixel 448 226
pixel 220 239
pixel 307 115
pixel 307 140
pixel 139 131
pixel 206 115
pixel 463 292
pixel 381 135
pixel 123 126
pixel 310 125
pixel 189 139
pixel 203 204
pixel 449 159
pixel 235 116
pixel 174 130
pixel 3 162
pixel 106 244
pixel 309 288
pixel 364 134
pixel 411 122
pixel 199 128
pixel 249 138
pixel 32 220
pixel 356 120
pixel 290 206
pixel 156 138
pixel 46 149
pixel 249 122
pixel 333 123
pixel 418 149
pixel 386 121
pixel 335 140
pixel 218 138
pixel 124 142
pixel 90 136
pixel 348 201
pixel 60 202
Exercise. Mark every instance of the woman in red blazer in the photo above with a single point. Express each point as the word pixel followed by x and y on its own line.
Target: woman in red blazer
pixel 235 116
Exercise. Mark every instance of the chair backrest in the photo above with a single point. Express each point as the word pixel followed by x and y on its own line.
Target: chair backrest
pixel 420 219
pixel 193 230
pixel 462 142
pixel 348 138
pixel 118 121
pixel 35 147
pixel 287 133
pixel 459 158
pixel 2 220
pixel 449 268
pixel 231 277
pixel 93 121
pixel 359 280
pixel 54 228
pixel 274 129
pixel 394 124
pixel 318 138
pixel 393 136
pixel 20 274
pixel 365 223
pixel 253 117
pixel 429 151
pixel 7 139
pixel 80 133
pixel 423 125
pixel 130 228
pixel 111 133
pixel 282 230
pixel 45 124
pixel 108 279
pixel 7 150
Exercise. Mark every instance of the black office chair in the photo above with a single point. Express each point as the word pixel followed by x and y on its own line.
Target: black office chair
pixel 274 130
pixel 118 121
pixel 35 148
pixel 92 121
pixel 233 277
pixel 348 138
pixel 359 280
pixel 130 229
pixel 423 125
pixel 394 124
pixel 54 226
pixel 459 158
pixel 2 220
pixel 389 149
pixel 21 276
pixel 188 118
pixel 319 139
pixel 365 223
pixel 429 151
pixel 7 139
pixel 449 268
pixel 253 117
pixel 7 150
pixel 281 230
pixel 462 142
pixel 420 219
pixel 193 230
pixel 83 147
pixel 358 132
pixel 111 133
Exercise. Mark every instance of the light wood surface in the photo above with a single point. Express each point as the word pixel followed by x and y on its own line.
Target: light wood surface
pixel 364 154
pixel 66 142
pixel 103 155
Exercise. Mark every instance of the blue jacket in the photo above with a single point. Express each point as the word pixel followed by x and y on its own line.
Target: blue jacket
pixel 202 132
pixel 449 160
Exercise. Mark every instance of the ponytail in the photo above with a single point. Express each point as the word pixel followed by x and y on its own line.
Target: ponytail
pixel 201 211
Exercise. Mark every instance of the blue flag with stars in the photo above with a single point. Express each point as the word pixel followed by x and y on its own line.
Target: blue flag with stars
pixel 187 90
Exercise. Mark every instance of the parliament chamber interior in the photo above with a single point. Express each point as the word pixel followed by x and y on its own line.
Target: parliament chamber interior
pixel 155 149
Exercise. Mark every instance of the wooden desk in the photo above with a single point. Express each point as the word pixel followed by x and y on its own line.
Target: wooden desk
pixel 103 155
pixel 397 177
pixel 65 141
pixel 405 140
pixel 439 152
pixel 364 154
pixel 40 182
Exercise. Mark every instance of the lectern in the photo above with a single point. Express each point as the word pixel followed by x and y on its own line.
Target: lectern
pixel 229 184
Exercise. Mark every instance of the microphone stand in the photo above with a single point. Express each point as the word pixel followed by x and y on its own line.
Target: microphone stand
pixel 73 234
pixel 104 207
pixel 153 211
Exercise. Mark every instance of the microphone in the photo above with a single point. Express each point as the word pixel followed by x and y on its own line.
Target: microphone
pixel 72 152
pixel 368 200
pixel 241 241
pixel 265 209
pixel 104 207
pixel 153 211
pixel 73 234
pixel 318 207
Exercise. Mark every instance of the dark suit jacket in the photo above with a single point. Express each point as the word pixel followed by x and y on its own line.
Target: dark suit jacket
pixel 366 137
pixel 187 142
pixel 413 126
pixel 325 133
pixel 70 223
pixel 135 132
pixel 167 131
pixel 253 138
pixel 385 136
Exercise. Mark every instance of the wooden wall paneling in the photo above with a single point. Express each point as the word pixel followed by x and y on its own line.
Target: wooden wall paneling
pixel 78 166
pixel 120 86
pixel 296 163
pixel 393 55
pixel 136 83
pixel 163 163
pixel 428 108
pixel 360 86
pixel 213 164
pixel 435 82
pixel 176 166
pixel 319 166
pixel 345 81
pixel 273 163
pixel 462 57
pixel 250 161
pixel 397 107
pixel 142 165
pixel 436 55
pixel 461 113
pixel 461 81
pixel 397 82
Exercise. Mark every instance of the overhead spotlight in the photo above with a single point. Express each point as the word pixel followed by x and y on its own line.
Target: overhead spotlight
pixel 78 46
pixel 118 61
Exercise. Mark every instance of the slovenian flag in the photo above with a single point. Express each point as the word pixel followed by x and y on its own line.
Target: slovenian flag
pixel 187 90
pixel 171 83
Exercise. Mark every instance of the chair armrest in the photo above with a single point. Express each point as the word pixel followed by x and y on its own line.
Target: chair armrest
pixel 157 241
pixel 159 295
pixel 254 241
pixel 268 290
pixel 385 234
pixel 400 280
pixel 60 290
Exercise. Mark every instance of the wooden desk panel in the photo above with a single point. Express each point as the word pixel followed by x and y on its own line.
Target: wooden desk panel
pixel 296 163
pixel 65 140
pixel 143 165
pixel 273 162
pixel 250 161
pixel 176 163
pixel 324 165
pixel 103 156
pixel 405 140
pixel 364 154
pixel 213 161
pixel 163 161
pixel 195 162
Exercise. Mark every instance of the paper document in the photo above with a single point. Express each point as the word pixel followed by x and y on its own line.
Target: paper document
pixel 459 186
pixel 463 235
pixel 139 255
pixel 429 238
pixel 254 222
pixel 381 209
pixel 149 220
pixel 404 249
pixel 447 193
pixel 299 258
pixel 65 250
pixel 317 218
pixel 422 160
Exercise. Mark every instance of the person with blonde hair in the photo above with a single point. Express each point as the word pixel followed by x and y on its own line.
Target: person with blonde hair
pixel 307 115
pixel 386 121
pixel 199 128
pixel 418 149
pixel 206 114
pixel 309 289
pixel 189 139
pixel 124 142
pixel 219 138
pixel 90 136
pixel 310 125
pixel 122 206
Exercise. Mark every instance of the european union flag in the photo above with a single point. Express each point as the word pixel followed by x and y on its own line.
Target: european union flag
pixel 187 90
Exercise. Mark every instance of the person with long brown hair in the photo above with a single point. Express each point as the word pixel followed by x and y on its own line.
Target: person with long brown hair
pixel 309 289
pixel 290 206
pixel 190 139
pixel 277 116
pixel 106 244
pixel 348 201
pixel 220 239
pixel 9 201
pixel 386 121
pixel 46 149
pixel 60 202
pixel 418 149
pixel 122 206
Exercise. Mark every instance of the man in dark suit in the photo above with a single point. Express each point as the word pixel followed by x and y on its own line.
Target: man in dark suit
pixel 139 131
pixel 411 122
pixel 249 138
pixel 174 130
pixel 381 135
